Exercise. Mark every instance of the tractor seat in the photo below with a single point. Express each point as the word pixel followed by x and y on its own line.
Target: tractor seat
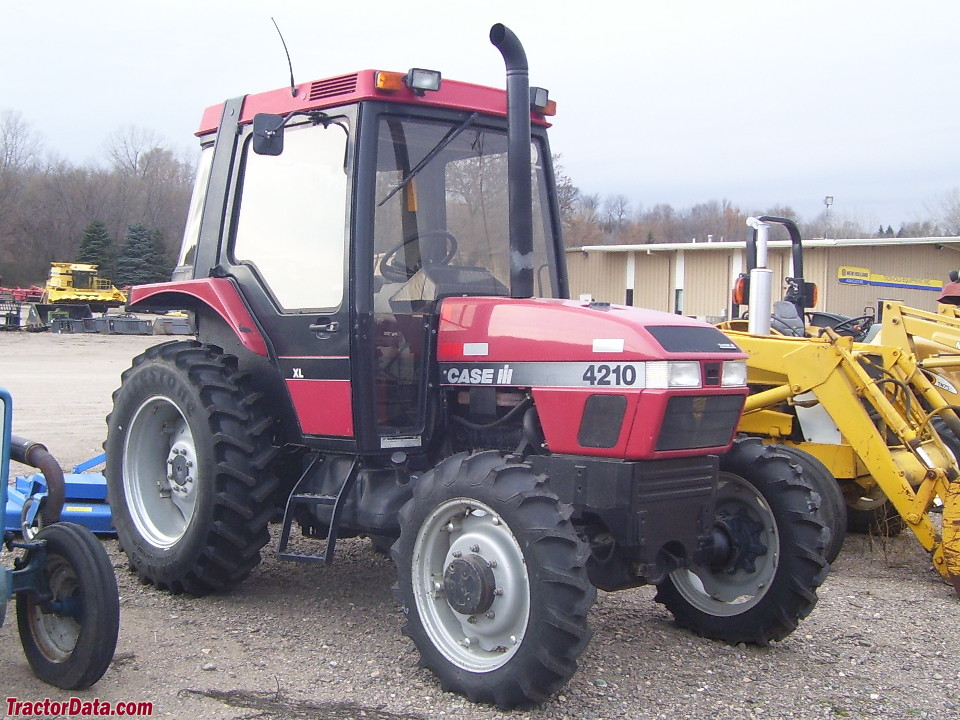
pixel 786 320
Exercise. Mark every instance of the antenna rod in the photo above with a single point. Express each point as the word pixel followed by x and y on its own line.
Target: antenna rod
pixel 293 87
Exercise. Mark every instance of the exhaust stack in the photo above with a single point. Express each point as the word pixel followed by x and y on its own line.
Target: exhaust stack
pixel 518 160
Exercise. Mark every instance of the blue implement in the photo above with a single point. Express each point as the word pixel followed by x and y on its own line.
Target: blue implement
pixel 85 503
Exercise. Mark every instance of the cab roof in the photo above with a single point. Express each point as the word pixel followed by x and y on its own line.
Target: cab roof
pixel 357 86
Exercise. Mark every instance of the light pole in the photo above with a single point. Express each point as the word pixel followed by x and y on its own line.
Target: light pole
pixel 828 201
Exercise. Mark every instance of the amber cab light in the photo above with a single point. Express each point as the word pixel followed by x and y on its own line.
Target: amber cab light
pixel 741 290
pixel 390 81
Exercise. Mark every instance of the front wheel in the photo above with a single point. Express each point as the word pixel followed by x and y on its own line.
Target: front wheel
pixel 492 578
pixel 833 507
pixel 776 561
pixel 69 639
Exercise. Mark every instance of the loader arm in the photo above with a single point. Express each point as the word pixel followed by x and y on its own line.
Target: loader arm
pixel 934 338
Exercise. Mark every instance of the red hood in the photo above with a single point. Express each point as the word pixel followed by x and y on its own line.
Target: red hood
pixel 517 330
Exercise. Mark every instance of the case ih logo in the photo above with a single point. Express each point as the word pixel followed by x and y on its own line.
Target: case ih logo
pixel 501 375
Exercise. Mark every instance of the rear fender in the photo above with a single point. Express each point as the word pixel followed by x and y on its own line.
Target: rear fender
pixel 218 294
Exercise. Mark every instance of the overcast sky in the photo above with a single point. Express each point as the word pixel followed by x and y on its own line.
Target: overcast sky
pixel 760 103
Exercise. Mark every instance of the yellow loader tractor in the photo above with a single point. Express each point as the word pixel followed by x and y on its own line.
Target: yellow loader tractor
pixel 870 413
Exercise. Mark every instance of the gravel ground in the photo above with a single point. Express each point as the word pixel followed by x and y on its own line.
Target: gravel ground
pixel 306 642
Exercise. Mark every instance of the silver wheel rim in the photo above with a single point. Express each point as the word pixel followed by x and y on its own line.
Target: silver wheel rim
pixel 725 594
pixel 56 635
pixel 159 469
pixel 485 641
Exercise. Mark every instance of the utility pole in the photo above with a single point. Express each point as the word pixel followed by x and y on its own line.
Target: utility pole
pixel 828 201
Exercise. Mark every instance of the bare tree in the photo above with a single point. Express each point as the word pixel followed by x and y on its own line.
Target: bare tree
pixel 19 145
pixel 589 207
pixel 567 192
pixel 950 212
pixel 615 211
pixel 130 149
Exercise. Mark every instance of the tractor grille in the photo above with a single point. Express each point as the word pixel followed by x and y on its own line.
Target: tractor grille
pixel 331 87
pixel 699 421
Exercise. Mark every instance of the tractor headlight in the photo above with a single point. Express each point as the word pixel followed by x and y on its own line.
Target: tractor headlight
pixel 734 373
pixel 673 374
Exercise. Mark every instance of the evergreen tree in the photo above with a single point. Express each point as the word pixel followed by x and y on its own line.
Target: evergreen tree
pixel 143 258
pixel 162 267
pixel 96 247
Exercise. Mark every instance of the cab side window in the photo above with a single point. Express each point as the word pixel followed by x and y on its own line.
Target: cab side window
pixel 292 220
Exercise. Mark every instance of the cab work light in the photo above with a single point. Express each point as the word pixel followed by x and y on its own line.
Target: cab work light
pixel 541 102
pixel 420 80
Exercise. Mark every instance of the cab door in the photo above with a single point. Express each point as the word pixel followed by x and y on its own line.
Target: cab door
pixel 288 251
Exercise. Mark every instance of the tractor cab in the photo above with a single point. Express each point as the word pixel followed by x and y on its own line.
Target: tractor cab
pixel 350 219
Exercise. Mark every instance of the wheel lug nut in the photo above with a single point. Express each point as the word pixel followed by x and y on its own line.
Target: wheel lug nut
pixel 457 554
pixel 498 592
pixel 492 564
pixel 490 615
pixel 474 548
pixel 472 619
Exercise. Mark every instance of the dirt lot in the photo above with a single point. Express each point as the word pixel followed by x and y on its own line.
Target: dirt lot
pixel 306 642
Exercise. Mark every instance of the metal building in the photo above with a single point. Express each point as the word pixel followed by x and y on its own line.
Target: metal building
pixel 696 278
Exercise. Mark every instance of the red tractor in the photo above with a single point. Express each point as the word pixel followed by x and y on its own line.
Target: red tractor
pixel 374 267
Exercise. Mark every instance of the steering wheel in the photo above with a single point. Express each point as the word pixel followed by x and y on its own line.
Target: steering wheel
pixel 855 327
pixel 440 249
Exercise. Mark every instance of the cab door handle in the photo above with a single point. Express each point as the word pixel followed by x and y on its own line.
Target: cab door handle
pixel 324 325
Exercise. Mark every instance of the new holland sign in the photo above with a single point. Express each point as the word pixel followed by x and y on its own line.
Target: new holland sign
pixel 849 275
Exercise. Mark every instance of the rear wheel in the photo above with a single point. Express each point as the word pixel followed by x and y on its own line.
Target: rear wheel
pixel 188 469
pixel 769 581
pixel 69 640
pixel 882 520
pixel 492 579
pixel 948 437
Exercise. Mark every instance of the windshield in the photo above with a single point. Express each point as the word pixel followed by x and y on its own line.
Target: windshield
pixel 445 230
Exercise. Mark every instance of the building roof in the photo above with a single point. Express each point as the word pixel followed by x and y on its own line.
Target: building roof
pixel 954 242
